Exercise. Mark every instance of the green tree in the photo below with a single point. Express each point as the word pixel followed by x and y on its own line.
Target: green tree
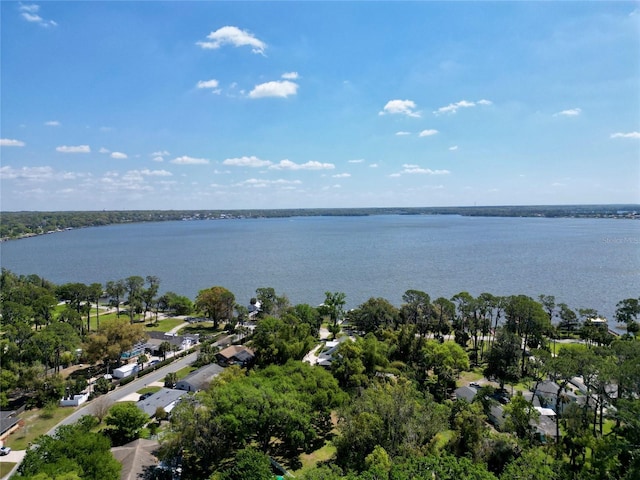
pixel 502 361
pixel 125 420
pixel 114 337
pixel 333 306
pixel 446 360
pixel 116 291
pixel 134 287
pixel 373 314
pixel 217 304
pixel 520 417
pixel 73 449
pixel 417 310
pixel 249 463
pixel 627 312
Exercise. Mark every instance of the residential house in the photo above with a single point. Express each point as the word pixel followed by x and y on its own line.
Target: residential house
pixel 199 379
pixel 166 398
pixel 9 422
pixel 235 355
pixel 466 393
pixel 137 458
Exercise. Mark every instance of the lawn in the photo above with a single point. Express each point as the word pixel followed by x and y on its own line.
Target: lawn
pixel 310 460
pixel 35 425
pixel 5 468
pixel 164 325
pixel 149 390
pixel 183 372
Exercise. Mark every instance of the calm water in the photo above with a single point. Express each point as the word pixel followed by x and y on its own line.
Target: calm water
pixel 586 263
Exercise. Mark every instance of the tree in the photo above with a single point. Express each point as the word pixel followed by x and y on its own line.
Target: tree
pixel 149 294
pixel 142 359
pixel 73 449
pixel 394 416
pixel 373 314
pixel 333 306
pixel 116 291
pixel 627 312
pixel 470 428
pixel 520 414
pixel 94 292
pixel 217 304
pixel 502 361
pixel 446 360
pixel 249 463
pixel 170 379
pixel 164 348
pixel 417 310
pixel 125 420
pixel 134 286
pixel 114 337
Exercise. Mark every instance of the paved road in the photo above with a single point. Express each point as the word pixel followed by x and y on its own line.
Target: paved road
pixel 121 392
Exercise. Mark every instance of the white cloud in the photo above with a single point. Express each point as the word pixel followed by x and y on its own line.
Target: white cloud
pixel 572 112
pixel 403 107
pixel 280 88
pixel 155 173
pixel 625 135
pixel 373 165
pixel 74 149
pixel 341 175
pixel 454 148
pixel 230 35
pixel 416 169
pixel 161 153
pixel 290 75
pixel 158 159
pixel 29 8
pixel 119 155
pixel 26 173
pixel 401 134
pixel 358 160
pixel 29 13
pixel 103 150
pixel 52 123
pixel 212 84
pixel 245 161
pixel 261 182
pixel 310 165
pixel 428 133
pixel 10 142
pixel 454 107
pixel 185 160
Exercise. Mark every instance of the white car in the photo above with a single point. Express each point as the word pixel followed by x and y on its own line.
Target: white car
pixel 5 450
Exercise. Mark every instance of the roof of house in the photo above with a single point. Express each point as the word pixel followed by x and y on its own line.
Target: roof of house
pixel 135 457
pixel 162 398
pixel 7 420
pixel 199 379
pixel 236 351
pixel 468 393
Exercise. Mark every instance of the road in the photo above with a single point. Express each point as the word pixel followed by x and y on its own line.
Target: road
pixel 120 392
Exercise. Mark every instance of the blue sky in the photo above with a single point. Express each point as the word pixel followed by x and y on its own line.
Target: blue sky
pixel 207 105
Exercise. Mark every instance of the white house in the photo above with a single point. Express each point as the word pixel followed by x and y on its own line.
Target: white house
pixel 125 370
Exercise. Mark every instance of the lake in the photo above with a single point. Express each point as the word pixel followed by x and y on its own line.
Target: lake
pixel 586 263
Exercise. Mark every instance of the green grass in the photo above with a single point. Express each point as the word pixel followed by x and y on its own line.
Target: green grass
pixel 35 425
pixel 149 390
pixel 164 325
pixel 555 349
pixel 310 460
pixel 5 468
pixel 183 372
pixel 442 439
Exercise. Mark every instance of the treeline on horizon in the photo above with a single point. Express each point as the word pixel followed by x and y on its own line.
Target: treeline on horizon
pixel 28 223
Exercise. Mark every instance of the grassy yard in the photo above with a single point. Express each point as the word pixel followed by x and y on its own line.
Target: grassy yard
pixel 183 372
pixel 5 468
pixel 164 325
pixel 310 460
pixel 149 390
pixel 36 424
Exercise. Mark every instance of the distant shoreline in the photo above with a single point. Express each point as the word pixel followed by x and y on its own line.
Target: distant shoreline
pixel 18 225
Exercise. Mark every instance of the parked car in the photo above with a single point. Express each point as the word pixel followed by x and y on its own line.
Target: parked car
pixel 5 450
pixel 144 396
